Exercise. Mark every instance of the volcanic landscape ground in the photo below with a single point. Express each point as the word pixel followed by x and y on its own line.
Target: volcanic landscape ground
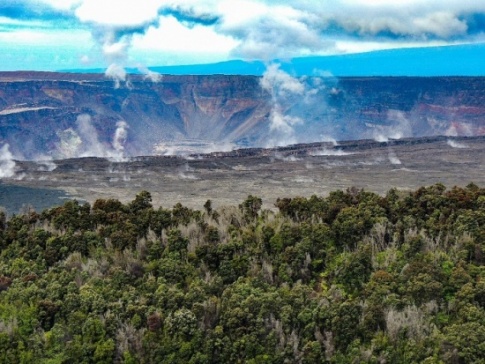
pixel 228 178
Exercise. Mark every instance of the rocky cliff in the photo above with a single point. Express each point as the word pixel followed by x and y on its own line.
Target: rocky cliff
pixel 71 115
pixel 66 115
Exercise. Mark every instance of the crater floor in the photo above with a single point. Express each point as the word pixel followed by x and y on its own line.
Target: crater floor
pixel 228 178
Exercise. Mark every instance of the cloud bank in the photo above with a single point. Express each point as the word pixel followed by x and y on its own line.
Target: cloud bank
pixel 249 29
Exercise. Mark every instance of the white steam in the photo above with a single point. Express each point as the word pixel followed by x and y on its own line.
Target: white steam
pixel 113 26
pixel 282 128
pixel 393 157
pixel 83 141
pixel 117 73
pixel 455 144
pixel 399 127
pixel 7 164
pixel 45 163
pixel 291 100
pixel 114 48
pixel 119 140
pixel 69 143
pixel 187 147
pixel 329 152
pixel 150 75
pixel 185 172
pixel 381 138
pixel 282 88
pixel 460 129
pixel 91 146
pixel 280 83
pixel 329 139
pixel 285 158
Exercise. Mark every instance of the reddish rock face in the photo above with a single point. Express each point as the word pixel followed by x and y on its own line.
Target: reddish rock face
pixel 71 115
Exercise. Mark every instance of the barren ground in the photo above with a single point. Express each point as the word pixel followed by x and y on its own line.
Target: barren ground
pixel 227 178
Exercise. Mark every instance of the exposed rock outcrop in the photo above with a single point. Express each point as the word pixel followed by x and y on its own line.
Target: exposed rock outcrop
pixel 40 112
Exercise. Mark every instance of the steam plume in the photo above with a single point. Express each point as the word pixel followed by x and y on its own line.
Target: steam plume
pixel 113 29
pixel 83 141
pixel 69 143
pixel 121 134
pixel 117 73
pixel 184 172
pixel 393 157
pixel 45 163
pixel 455 144
pixel 460 129
pixel 150 75
pixel 282 88
pixel 329 152
pixel 399 127
pixel 91 147
pixel 7 164
pixel 280 83
pixel 329 139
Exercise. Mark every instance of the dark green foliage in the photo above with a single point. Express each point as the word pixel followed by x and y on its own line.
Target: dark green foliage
pixel 352 277
pixel 250 207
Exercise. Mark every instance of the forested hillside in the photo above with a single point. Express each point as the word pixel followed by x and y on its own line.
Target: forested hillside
pixel 349 278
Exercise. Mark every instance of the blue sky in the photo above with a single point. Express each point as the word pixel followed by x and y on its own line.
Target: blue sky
pixel 114 34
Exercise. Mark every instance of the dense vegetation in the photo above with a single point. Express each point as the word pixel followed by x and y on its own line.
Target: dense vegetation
pixel 352 277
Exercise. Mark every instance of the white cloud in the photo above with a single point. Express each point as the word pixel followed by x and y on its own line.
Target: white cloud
pixel 438 24
pixel 238 13
pixel 47 37
pixel 116 49
pixel 269 31
pixel 376 3
pixel 173 36
pixel 442 24
pixel 118 13
pixel 62 4
pixel 169 31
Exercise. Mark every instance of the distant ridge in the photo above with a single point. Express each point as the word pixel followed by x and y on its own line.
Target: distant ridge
pixel 458 60
pixel 66 115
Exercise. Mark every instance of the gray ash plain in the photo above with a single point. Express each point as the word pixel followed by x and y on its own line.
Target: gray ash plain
pixel 227 178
